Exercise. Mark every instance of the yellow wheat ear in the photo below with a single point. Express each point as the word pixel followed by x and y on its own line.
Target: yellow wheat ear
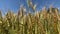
pixel 50 7
pixel 44 8
pixel 20 10
pixel 56 11
pixel 24 11
pixel 34 7
pixel 28 3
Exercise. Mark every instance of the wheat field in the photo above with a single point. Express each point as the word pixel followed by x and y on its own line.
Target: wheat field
pixel 41 22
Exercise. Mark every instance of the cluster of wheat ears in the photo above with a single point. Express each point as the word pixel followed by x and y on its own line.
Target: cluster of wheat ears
pixel 41 22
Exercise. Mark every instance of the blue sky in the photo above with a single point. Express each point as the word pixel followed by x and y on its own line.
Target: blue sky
pixel 15 4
